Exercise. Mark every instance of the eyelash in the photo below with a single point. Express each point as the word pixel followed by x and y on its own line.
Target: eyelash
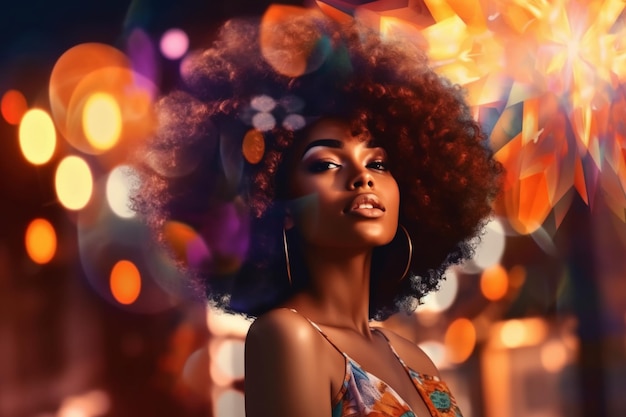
pixel 321 166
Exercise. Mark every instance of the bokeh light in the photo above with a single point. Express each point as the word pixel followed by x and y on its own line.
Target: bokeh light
pixel 37 136
pixel 436 351
pixel 122 179
pixel 253 146
pixel 102 121
pixel 522 332
pixel 229 358
pixel 73 182
pixel 13 106
pixel 230 403
pixel 71 69
pixel 288 54
pixel 494 282
pixel 174 43
pixel 491 247
pixel 553 356
pixel 460 340
pixel 97 100
pixel 90 404
pixel 187 245
pixel 41 241
pixel 125 282
pixel 443 298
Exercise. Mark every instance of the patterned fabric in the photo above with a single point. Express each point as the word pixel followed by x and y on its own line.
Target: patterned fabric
pixel 363 394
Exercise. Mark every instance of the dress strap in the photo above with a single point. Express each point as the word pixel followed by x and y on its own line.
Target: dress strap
pixel 380 332
pixel 316 327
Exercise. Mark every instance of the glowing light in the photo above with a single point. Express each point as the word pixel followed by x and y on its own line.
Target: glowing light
pixel 125 282
pixel 548 77
pixel 102 121
pixel 41 241
pixel 491 247
pixel 187 245
pixel 443 298
pixel 13 106
pixel 513 334
pixel 436 351
pixel 226 325
pixel 290 55
pixel 230 403
pixel 517 333
pixel 229 358
pixel 73 183
pixel 71 69
pixel 118 188
pixel 37 136
pixel 460 340
pixel 253 146
pixel 517 276
pixel 494 283
pixel 91 404
pixel 98 101
pixel 553 356
pixel 174 43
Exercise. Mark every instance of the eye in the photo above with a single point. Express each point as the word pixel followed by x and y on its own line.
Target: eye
pixel 379 165
pixel 321 166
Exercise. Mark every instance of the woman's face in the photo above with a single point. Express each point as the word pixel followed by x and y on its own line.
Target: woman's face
pixel 343 193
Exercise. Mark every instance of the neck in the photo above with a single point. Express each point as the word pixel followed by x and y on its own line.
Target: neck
pixel 339 287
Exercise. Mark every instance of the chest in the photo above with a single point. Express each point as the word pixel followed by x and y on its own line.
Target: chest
pixel 376 372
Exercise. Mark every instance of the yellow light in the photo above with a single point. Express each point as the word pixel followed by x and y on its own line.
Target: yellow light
pixel 125 282
pixel 513 334
pixel 460 340
pixel 37 136
pixel 41 241
pixel 13 106
pixel 73 183
pixel 526 332
pixel 102 121
pixel 494 282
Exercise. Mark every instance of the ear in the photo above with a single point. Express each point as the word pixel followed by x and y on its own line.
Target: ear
pixel 289 222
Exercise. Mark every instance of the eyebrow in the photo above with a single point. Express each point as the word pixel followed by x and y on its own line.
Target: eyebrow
pixel 332 143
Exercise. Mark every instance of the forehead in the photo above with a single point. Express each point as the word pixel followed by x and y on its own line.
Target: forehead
pixel 334 129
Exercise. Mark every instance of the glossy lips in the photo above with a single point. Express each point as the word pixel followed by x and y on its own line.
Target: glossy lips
pixel 365 205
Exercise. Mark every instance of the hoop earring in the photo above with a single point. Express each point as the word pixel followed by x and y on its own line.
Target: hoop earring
pixel 408 264
pixel 287 257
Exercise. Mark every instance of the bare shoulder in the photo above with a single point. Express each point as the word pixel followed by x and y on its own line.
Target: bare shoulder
pixel 284 367
pixel 414 357
pixel 281 328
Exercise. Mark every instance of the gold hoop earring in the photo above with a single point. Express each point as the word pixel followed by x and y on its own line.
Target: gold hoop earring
pixel 408 264
pixel 287 257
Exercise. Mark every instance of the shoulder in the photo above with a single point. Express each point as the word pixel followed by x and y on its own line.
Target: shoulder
pixel 285 367
pixel 414 357
pixel 281 328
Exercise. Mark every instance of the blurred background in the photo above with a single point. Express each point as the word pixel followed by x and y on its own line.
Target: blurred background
pixel 96 321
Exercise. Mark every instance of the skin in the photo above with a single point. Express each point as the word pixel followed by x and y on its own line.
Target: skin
pixel 291 370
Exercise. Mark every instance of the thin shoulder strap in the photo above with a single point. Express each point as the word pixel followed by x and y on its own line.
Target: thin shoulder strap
pixel 316 327
pixel 380 332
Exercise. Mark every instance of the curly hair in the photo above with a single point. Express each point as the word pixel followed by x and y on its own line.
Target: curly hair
pixel 194 171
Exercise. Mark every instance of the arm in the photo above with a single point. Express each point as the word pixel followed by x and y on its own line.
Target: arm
pixel 285 372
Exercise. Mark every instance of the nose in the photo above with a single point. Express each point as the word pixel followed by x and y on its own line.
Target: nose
pixel 362 179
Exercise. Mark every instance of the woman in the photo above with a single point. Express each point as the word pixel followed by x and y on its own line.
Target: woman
pixel 333 177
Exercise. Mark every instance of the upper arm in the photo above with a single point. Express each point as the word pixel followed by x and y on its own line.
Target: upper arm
pixel 283 376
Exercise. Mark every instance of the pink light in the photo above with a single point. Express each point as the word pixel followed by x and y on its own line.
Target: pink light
pixel 174 43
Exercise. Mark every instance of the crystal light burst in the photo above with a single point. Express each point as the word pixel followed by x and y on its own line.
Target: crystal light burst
pixel 546 81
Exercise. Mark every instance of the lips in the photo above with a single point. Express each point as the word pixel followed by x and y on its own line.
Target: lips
pixel 365 205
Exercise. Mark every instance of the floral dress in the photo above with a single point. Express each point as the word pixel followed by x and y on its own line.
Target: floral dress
pixel 363 394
